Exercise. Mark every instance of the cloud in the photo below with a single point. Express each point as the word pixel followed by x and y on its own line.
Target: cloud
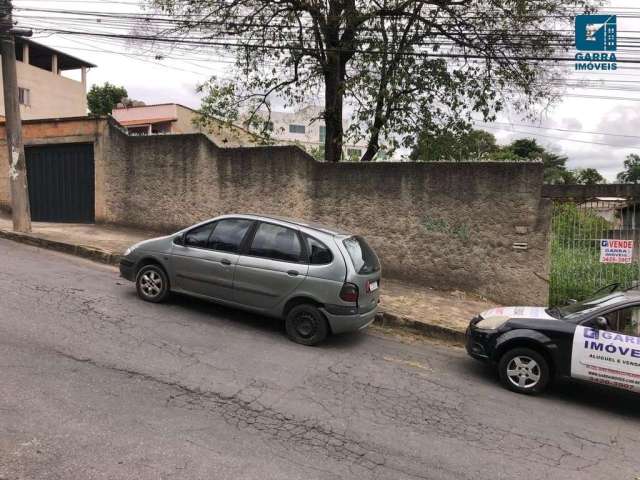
pixel 623 120
pixel 570 124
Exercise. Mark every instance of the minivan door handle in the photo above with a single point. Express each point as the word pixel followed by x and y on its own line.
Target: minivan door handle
pixel 293 273
pixel 224 261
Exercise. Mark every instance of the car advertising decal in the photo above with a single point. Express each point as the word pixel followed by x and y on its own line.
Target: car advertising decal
pixel 605 357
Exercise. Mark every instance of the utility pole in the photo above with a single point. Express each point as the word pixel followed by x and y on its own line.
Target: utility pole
pixel 21 212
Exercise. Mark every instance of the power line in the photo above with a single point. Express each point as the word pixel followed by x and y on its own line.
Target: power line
pixel 563 139
pixel 563 129
pixel 203 42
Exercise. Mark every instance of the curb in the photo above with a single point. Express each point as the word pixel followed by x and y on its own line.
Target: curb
pixel 390 320
pixel 383 319
pixel 83 251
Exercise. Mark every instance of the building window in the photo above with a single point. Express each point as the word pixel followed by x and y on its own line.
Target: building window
pixel 293 128
pixel 24 96
pixel 323 133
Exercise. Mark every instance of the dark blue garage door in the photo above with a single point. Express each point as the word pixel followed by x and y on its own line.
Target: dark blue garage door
pixel 61 183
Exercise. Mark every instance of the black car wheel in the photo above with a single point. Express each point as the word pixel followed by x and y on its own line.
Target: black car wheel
pixel 152 284
pixel 306 325
pixel 524 371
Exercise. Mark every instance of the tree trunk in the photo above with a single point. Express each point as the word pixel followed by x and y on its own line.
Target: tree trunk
pixel 373 146
pixel 334 97
pixel 379 119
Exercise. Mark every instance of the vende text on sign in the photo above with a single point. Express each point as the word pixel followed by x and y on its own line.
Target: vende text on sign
pixel 616 251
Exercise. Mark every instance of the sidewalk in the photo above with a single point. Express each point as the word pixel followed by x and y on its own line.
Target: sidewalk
pixel 416 309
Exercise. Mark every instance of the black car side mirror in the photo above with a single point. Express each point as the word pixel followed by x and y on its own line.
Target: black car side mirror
pixel 601 323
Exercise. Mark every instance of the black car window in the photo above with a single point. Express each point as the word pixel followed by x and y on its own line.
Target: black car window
pixel 228 234
pixel 625 320
pixel 276 242
pixel 197 237
pixel 363 258
pixel 585 308
pixel 319 253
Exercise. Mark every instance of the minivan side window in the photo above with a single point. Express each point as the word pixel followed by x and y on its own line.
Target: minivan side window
pixel 276 242
pixel 228 234
pixel 319 253
pixel 197 237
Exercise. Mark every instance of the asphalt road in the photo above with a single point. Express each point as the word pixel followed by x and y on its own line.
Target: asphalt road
pixel 95 383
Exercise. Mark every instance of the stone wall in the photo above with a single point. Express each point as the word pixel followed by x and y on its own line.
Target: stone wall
pixel 581 193
pixel 445 225
pixel 479 227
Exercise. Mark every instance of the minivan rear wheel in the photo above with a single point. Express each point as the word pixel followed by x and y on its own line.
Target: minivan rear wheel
pixel 306 325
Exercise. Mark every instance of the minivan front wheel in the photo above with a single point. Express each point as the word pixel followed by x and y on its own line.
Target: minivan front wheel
pixel 152 284
pixel 306 325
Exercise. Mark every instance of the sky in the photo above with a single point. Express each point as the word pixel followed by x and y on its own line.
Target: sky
pixel 589 119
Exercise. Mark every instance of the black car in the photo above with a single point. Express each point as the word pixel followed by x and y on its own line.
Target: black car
pixel 596 340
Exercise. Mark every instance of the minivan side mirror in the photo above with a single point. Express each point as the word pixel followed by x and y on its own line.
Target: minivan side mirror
pixel 601 323
pixel 179 240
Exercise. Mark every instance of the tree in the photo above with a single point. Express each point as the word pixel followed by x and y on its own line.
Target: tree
pixel 631 173
pixel 554 165
pixel 401 66
pixel 103 99
pixel 589 176
pixel 528 148
pixel 466 146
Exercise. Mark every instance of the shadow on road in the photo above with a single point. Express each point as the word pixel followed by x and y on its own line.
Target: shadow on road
pixel 212 313
pixel 588 395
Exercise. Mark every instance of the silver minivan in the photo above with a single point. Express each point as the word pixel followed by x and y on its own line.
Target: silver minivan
pixel 317 279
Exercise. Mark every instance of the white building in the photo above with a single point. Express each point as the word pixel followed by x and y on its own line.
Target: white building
pixel 307 128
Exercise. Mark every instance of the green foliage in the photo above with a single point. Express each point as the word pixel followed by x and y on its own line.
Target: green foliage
pixel 101 100
pixel 478 145
pixel 555 170
pixel 589 176
pixel 570 221
pixel 527 148
pixel 576 271
pixel 631 173
pixel 505 154
pixel 464 146
pixel 317 153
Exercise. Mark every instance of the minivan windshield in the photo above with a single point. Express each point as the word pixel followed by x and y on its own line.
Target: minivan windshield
pixel 585 307
pixel 363 257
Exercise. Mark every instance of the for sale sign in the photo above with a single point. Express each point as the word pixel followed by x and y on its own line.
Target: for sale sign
pixel 616 251
pixel 605 357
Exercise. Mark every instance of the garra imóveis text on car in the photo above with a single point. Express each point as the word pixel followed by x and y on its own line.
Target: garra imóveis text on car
pixel 318 279
pixel 596 340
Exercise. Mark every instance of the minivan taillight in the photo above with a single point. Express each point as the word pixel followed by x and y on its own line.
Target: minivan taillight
pixel 349 292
